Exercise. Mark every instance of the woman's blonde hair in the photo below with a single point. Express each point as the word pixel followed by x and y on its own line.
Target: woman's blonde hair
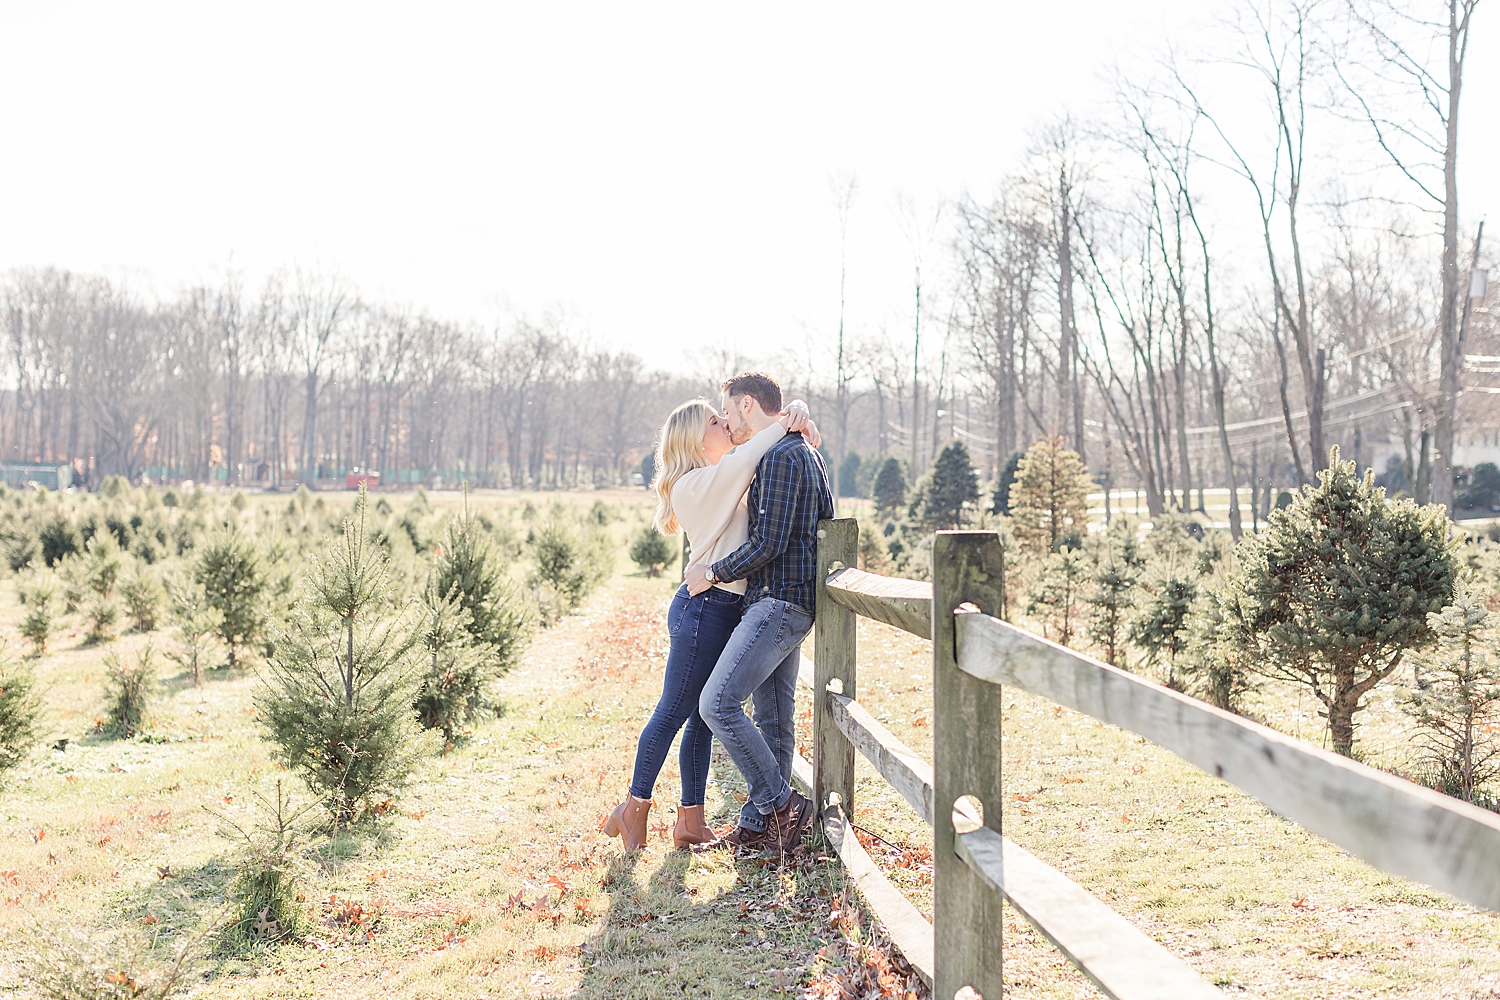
pixel 679 450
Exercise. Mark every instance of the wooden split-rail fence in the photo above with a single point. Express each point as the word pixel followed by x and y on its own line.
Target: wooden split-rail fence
pixel 1398 827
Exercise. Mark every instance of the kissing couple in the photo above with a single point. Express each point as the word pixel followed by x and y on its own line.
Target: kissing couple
pixel 748 487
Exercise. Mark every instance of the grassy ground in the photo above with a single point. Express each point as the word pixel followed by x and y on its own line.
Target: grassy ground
pixel 487 880
pixel 1253 902
pixel 490 880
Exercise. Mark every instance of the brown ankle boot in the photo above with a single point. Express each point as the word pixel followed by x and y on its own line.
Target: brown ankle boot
pixel 690 829
pixel 628 822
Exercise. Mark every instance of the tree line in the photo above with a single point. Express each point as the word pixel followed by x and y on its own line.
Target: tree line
pixel 305 380
pixel 1193 291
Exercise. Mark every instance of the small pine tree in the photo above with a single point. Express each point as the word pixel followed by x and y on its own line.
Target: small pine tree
pixel 1336 589
pixel 1110 598
pixel 100 615
pixel 568 566
pixel 337 697
pixel 37 596
pixel 873 555
pixel 1056 594
pixel 949 492
pixel 230 570
pixel 58 538
pixel 128 688
pixel 1160 628
pixel 103 563
pixel 650 550
pixel 141 594
pixel 1213 670
pixel 268 903
pixel 1049 499
pixel 1000 502
pixel 454 678
pixel 196 622
pixel 849 475
pixel 470 568
pixel 20 709
pixel 890 487
pixel 1455 708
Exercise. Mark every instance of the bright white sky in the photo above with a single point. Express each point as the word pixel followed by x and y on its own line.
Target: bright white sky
pixel 660 175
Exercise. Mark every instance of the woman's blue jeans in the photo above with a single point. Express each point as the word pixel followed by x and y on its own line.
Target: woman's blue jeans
pixel 699 627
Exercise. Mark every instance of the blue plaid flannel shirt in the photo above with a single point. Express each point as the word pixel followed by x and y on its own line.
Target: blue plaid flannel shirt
pixel 788 498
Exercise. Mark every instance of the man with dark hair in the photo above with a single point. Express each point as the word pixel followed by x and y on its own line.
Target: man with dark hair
pixel 758 386
pixel 789 496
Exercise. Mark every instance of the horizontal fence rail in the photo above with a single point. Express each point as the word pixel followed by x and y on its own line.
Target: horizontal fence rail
pixel 906 604
pixel 1397 826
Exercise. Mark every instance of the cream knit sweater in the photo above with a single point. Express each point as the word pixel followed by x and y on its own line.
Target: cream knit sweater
pixel 710 502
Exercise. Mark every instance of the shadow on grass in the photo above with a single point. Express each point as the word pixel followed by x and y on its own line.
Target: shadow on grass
pixel 756 936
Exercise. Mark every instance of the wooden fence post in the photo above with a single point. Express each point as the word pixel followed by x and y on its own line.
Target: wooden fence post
pixel 833 658
pixel 967 566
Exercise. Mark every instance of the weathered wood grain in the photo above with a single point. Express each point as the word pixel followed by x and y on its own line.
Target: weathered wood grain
pixel 906 604
pixel 907 773
pixel 1399 827
pixel 909 930
pixel 802 776
pixel 833 659
pixel 1122 961
pixel 967 568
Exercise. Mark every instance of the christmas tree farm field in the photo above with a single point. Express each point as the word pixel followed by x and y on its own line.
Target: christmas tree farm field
pixel 1253 902
pixel 485 877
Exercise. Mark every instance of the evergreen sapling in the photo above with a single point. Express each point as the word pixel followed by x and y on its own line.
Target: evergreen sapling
pixel 338 692
pixel 196 622
pixel 230 570
pixel 20 710
pixel 650 550
pixel 949 492
pixel 890 487
pixel 1159 629
pixel 453 682
pixel 1336 590
pixel 1455 709
pixel 1049 499
pixel 469 568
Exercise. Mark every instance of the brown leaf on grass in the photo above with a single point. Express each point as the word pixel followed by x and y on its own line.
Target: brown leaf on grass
pixel 561 886
pixel 542 953
pixel 37 835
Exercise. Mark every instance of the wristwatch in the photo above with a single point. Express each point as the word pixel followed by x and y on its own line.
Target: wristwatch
pixel 708 574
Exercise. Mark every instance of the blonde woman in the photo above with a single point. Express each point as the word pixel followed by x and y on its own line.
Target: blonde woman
pixel 701 481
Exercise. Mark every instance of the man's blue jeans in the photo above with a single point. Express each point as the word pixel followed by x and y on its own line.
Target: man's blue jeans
pixel 760 659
